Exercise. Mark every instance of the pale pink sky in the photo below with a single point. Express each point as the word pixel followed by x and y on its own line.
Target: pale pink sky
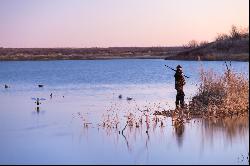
pixel 107 23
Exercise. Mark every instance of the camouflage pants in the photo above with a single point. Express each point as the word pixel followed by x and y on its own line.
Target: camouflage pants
pixel 180 98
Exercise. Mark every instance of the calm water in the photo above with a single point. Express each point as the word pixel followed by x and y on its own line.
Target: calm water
pixel 87 92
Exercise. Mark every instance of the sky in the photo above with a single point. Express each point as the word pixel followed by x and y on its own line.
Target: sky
pixel 116 23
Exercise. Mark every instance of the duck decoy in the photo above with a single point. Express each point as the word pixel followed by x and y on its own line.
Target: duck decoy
pixel 129 98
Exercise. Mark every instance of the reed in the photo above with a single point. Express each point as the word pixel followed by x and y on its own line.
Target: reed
pixel 225 94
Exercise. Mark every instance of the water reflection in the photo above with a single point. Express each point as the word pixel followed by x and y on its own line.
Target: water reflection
pixel 232 127
pixel 127 143
pixel 135 128
pixel 38 111
pixel 131 129
pixel 179 127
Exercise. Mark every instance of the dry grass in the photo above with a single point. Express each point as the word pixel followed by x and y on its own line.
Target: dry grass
pixel 225 94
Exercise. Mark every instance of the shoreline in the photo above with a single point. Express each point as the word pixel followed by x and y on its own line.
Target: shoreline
pixel 79 58
pixel 120 58
pixel 165 53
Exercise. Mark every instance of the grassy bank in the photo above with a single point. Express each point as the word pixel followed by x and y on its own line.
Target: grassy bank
pixel 225 50
pixel 233 46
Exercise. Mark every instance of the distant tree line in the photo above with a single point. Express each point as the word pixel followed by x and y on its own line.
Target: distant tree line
pixel 235 33
pixel 195 43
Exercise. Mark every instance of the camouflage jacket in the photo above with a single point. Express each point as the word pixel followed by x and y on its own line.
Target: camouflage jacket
pixel 179 80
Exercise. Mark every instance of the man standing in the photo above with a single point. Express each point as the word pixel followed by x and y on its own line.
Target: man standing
pixel 179 83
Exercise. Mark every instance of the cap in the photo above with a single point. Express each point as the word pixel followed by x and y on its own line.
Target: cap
pixel 179 67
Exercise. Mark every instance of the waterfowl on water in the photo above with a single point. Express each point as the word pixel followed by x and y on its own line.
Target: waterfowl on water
pixel 129 98
pixel 40 86
pixel 120 96
pixel 6 86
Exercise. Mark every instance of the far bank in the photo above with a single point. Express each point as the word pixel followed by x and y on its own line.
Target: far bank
pixel 167 53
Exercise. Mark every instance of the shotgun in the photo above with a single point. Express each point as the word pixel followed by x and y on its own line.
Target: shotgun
pixel 175 71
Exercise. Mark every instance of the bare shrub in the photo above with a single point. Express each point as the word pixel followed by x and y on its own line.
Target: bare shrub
pixel 203 43
pixel 192 44
pixel 235 33
pixel 244 32
pixel 221 37
pixel 221 94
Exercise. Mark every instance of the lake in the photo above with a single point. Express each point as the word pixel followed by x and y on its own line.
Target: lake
pixel 83 121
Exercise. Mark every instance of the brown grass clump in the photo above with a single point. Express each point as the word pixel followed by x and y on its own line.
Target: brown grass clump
pixel 225 94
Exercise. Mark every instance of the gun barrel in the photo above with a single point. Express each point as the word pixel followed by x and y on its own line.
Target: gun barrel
pixel 171 68
pixel 175 71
